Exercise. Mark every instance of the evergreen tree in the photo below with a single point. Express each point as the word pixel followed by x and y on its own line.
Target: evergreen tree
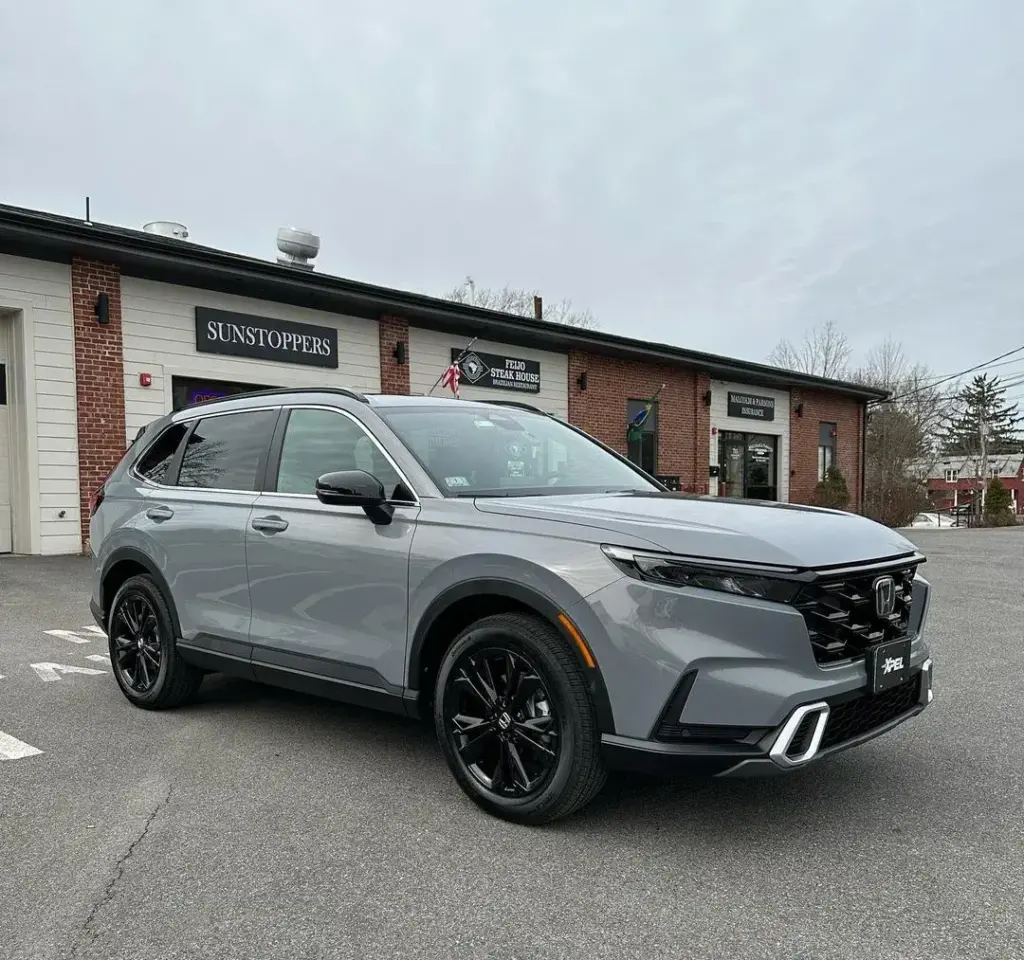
pixel 983 400
pixel 998 504
pixel 832 492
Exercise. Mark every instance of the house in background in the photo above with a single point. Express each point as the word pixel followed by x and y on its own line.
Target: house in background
pixel 954 481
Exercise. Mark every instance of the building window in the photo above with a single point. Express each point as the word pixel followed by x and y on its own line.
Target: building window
pixel 826 448
pixel 952 475
pixel 642 446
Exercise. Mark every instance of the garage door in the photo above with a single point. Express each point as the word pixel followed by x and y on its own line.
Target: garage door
pixel 5 456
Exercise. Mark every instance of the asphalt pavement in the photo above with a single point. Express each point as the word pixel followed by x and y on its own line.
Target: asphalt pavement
pixel 262 824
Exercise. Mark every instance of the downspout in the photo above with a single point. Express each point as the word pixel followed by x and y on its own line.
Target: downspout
pixel 863 455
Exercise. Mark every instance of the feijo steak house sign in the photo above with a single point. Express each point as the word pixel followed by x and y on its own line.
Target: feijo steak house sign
pixel 265 338
pixel 498 372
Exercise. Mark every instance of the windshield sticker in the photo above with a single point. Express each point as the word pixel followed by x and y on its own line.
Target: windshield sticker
pixel 456 481
pixel 482 423
pixel 516 468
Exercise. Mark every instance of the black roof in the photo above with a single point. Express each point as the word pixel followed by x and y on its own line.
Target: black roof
pixel 47 236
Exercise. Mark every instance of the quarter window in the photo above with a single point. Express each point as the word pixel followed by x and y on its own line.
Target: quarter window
pixel 318 442
pixel 154 462
pixel 226 452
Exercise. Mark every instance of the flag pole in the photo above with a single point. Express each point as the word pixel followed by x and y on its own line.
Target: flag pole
pixel 455 362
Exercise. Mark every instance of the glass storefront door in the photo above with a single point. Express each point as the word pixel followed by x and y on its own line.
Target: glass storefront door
pixel 748 465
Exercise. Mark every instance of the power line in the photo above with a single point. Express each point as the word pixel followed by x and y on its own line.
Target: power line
pixel 953 376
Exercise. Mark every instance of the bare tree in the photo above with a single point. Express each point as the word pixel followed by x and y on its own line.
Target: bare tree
pixel 903 431
pixel 520 303
pixel 823 352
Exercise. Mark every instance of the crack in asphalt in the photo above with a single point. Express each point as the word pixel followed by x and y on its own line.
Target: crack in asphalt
pixel 86 931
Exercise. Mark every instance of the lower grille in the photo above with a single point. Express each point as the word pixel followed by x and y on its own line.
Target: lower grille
pixel 859 715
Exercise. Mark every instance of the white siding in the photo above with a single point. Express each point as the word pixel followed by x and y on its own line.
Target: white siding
pixel 6 527
pixel 430 352
pixel 160 339
pixel 778 427
pixel 44 289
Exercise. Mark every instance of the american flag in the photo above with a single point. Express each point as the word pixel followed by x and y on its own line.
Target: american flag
pixel 451 379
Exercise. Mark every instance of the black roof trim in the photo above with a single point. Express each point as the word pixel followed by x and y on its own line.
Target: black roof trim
pixel 32 233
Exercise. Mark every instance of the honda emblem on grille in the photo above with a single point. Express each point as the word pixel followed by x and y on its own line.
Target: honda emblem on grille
pixel 885 597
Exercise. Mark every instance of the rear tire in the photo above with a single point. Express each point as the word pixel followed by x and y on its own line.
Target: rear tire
pixel 515 721
pixel 143 651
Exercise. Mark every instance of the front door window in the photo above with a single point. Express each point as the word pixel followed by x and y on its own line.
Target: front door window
pixel 748 463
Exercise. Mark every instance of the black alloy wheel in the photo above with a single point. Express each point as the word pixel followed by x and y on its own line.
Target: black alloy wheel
pixel 514 718
pixel 501 722
pixel 135 642
pixel 143 649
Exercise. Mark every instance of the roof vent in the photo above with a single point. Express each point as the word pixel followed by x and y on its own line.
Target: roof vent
pixel 297 247
pixel 166 228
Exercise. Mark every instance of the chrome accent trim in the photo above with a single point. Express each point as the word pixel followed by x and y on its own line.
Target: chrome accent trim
pixel 926 682
pixel 785 738
pixel 627 555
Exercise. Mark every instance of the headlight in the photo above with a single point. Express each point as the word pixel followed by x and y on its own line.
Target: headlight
pixel 743 580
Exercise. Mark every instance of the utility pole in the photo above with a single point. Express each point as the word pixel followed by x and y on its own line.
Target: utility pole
pixel 983 439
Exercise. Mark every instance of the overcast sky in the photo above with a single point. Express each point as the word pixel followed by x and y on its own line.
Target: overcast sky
pixel 709 173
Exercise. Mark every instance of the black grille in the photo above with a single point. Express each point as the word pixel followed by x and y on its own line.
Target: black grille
pixel 840 613
pixel 852 717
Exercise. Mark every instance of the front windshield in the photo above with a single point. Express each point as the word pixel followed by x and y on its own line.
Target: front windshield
pixel 484 451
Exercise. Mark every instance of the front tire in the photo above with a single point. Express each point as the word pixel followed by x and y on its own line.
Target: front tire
pixel 515 721
pixel 143 654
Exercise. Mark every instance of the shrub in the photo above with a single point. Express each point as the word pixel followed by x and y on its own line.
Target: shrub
pixel 831 492
pixel 895 501
pixel 998 505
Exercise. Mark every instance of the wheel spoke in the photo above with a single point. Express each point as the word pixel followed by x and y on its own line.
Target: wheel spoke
pixel 140 665
pixel 498 780
pixel 518 768
pixel 529 684
pixel 527 739
pixel 473 749
pixel 466 681
pixel 511 676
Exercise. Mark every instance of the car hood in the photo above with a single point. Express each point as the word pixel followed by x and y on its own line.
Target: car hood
pixel 716 527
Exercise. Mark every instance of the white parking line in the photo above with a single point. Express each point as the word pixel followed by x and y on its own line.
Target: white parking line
pixel 99 657
pixel 96 630
pixel 11 748
pixel 67 635
pixel 52 671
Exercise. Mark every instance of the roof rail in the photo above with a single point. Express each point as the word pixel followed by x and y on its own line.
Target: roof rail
pixel 271 391
pixel 515 403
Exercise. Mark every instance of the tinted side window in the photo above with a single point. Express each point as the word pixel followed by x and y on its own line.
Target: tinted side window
pixel 318 442
pixel 225 452
pixel 154 462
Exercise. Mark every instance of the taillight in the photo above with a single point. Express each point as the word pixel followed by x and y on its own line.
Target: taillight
pixel 97 497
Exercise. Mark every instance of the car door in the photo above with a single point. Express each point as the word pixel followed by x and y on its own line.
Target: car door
pixel 197 522
pixel 329 586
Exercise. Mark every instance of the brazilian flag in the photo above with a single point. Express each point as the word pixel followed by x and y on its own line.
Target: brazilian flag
pixel 635 427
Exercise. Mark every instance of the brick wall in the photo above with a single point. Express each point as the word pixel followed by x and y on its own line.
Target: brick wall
pixel 99 377
pixel 821 408
pixel 394 376
pixel 683 420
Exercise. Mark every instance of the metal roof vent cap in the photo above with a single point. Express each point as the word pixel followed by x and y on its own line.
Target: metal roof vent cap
pixel 297 247
pixel 166 228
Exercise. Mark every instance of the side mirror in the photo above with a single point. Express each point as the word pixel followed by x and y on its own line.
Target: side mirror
pixel 355 488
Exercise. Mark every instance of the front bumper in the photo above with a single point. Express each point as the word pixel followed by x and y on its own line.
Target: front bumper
pixel 811 732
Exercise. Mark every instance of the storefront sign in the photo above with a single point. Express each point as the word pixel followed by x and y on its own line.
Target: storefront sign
pixel 498 372
pixel 264 338
pixel 751 406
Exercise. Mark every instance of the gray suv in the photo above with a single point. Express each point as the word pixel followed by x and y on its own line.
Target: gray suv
pixel 554 610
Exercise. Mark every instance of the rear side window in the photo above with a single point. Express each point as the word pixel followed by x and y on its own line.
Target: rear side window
pixel 154 462
pixel 227 452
